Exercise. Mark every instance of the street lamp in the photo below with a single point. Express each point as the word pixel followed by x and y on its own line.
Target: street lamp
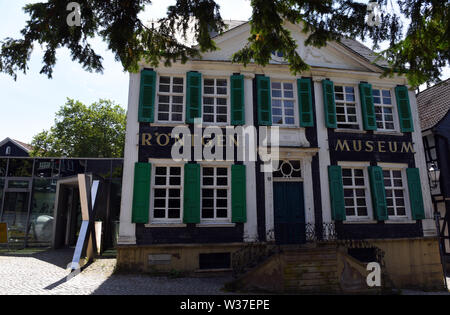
pixel 433 175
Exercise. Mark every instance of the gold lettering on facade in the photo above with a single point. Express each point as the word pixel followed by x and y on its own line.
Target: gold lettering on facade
pixel 407 147
pixel 392 146
pixel 146 138
pixel 369 146
pixel 381 146
pixel 342 145
pixel 357 145
pixel 166 142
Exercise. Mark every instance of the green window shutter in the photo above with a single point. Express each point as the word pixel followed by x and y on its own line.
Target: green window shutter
pixel 147 96
pixel 329 104
pixel 336 193
pixel 368 109
pixel 237 100
pixel 305 102
pixel 191 193
pixel 415 194
pixel 264 101
pixel 141 192
pixel 238 194
pixel 404 109
pixel 193 97
pixel 378 193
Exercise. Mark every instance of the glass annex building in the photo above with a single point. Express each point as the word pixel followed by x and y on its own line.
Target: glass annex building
pixel 30 203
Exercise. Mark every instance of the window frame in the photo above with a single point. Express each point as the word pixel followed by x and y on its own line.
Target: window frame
pixel 368 194
pixel 402 168
pixel 170 94
pixel 358 111
pixel 166 220
pixel 296 123
pixel 394 110
pixel 215 187
pixel 215 96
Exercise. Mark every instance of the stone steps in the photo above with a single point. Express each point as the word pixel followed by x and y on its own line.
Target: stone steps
pixel 311 270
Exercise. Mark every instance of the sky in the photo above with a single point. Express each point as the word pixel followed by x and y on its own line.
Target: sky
pixel 29 104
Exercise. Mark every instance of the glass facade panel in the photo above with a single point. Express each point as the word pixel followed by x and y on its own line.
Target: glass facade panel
pixel 42 209
pixel 117 169
pixel 71 167
pixel 46 168
pixel 23 184
pixel 28 193
pixel 20 168
pixel 101 168
pixel 15 213
pixel 3 163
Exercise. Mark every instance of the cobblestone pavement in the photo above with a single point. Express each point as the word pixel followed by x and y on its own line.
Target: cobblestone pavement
pixel 43 272
pixel 39 272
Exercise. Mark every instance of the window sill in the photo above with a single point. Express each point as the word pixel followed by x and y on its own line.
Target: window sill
pixel 164 225
pixel 350 131
pixel 287 126
pixel 400 221
pixel 388 133
pixel 360 222
pixel 215 225
pixel 168 124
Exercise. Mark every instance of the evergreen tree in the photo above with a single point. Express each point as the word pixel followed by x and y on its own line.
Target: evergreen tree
pixel 419 49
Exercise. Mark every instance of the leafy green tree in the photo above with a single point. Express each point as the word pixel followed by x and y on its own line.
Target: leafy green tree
pixel 97 130
pixel 418 49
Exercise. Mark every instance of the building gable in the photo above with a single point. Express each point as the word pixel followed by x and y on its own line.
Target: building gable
pixel 334 55
pixel 9 147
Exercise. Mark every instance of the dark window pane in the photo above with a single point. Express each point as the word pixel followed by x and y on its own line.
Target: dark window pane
pixel 207 192
pixel 208 181
pixel 174 203
pixel 222 213
pixel 174 213
pixel 160 193
pixel 208 171
pixel 362 211
pixel 175 181
pixel 221 193
pixel 159 213
pixel 221 203
pixel 222 181
pixel 20 167
pixel 160 181
pixel 160 171
pixel 207 213
pixel 174 193
pixel 160 203
pixel 208 203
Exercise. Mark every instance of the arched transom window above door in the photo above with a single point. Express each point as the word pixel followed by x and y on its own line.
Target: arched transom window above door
pixel 288 169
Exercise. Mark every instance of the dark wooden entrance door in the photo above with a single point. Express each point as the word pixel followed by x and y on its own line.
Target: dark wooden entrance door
pixel 289 212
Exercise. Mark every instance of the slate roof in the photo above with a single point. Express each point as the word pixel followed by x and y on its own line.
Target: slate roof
pixel 23 144
pixel 433 104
